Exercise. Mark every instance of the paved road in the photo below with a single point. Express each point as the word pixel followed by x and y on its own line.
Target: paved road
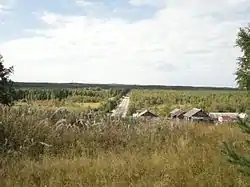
pixel 122 108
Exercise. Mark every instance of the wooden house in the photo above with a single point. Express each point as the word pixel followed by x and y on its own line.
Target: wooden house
pixel 197 115
pixel 177 114
pixel 145 114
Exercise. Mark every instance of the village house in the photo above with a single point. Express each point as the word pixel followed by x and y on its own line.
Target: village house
pixel 145 114
pixel 177 114
pixel 197 115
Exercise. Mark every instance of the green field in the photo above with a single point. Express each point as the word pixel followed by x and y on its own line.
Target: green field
pixel 77 100
pixel 54 104
pixel 38 150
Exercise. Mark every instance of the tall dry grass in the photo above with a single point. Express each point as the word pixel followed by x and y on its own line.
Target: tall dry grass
pixel 112 152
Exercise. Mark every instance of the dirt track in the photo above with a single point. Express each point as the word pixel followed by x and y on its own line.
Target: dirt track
pixel 122 108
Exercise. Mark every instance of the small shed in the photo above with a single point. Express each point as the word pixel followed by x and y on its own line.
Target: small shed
pixel 177 114
pixel 197 115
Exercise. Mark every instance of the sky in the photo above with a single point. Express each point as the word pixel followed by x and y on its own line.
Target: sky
pixel 157 42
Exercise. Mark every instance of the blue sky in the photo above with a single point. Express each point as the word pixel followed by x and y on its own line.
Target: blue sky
pixel 25 13
pixel 167 42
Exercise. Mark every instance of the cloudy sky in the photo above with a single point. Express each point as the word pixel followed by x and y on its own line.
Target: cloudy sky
pixel 167 42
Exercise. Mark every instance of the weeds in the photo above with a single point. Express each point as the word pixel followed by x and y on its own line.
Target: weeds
pixel 111 152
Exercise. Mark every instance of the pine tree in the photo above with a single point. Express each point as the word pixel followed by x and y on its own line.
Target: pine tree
pixel 235 158
pixel 7 91
pixel 243 80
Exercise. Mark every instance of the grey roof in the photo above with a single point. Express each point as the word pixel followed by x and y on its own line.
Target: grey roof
pixel 175 110
pixel 180 112
pixel 144 112
pixel 192 112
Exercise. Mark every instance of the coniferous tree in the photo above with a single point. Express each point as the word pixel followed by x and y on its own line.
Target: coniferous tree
pixel 7 91
pixel 243 80
pixel 235 158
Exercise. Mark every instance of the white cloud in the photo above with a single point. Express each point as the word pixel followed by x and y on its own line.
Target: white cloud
pixel 6 5
pixel 84 3
pixel 183 44
pixel 157 3
pixel 3 8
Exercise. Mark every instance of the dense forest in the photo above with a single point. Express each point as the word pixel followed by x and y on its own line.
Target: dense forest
pixel 82 95
pixel 162 101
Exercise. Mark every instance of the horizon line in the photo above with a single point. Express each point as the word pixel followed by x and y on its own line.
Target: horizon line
pixel 147 85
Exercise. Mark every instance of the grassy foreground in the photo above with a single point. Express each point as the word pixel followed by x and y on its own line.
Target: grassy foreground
pixel 112 153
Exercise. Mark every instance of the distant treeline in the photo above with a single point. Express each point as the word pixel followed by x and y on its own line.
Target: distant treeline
pixel 107 98
pixel 108 86
pixel 80 95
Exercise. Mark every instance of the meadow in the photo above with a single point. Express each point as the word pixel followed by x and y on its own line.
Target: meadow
pixel 77 100
pixel 89 148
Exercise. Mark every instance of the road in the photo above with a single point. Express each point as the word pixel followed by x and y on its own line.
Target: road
pixel 122 108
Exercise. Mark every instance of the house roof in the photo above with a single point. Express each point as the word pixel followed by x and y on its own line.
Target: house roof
pixel 175 110
pixel 144 112
pixel 192 112
pixel 180 112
